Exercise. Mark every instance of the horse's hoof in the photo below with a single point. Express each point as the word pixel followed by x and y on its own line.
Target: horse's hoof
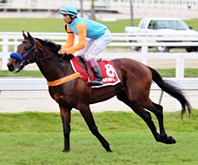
pixel 66 150
pixel 166 139
pixel 109 150
pixel 171 140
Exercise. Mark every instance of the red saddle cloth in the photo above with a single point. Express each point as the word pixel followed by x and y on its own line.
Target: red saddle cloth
pixel 109 75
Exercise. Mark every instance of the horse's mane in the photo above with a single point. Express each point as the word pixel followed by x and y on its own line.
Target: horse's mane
pixel 53 47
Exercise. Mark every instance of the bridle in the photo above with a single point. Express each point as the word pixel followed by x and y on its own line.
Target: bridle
pixel 34 59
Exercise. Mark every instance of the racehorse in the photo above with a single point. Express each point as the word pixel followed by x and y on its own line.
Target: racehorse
pixel 133 88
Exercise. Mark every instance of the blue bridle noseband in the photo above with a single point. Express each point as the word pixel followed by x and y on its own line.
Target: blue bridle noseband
pixel 19 57
pixel 35 57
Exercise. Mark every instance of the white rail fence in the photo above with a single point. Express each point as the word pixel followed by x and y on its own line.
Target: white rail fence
pixel 10 40
pixel 40 84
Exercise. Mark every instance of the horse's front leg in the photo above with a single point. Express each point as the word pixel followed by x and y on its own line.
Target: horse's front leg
pixel 87 115
pixel 66 118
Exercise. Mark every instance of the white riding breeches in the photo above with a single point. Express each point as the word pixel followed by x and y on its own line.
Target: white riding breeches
pixel 94 46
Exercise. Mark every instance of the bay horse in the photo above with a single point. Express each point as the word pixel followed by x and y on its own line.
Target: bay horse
pixel 133 88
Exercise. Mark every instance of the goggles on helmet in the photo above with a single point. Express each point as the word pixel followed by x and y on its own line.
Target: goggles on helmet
pixel 65 11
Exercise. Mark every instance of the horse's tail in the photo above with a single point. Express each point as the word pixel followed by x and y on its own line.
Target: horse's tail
pixel 171 90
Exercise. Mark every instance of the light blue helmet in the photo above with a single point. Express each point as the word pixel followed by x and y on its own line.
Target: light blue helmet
pixel 69 9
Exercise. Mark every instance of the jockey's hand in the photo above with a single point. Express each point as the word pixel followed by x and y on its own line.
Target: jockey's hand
pixel 62 51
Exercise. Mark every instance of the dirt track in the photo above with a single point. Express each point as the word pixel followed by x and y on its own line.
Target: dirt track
pixel 19 101
pixel 40 101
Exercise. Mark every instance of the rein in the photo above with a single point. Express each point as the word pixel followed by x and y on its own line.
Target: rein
pixel 36 60
pixel 20 57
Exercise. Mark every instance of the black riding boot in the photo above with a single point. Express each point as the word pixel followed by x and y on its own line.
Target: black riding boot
pixel 97 76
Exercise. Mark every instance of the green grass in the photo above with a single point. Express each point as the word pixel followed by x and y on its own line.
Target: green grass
pixel 57 25
pixel 192 72
pixel 188 72
pixel 23 73
pixel 192 23
pixel 32 25
pixel 36 138
pixel 50 25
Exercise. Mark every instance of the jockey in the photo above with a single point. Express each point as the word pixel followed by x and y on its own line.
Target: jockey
pixel 99 38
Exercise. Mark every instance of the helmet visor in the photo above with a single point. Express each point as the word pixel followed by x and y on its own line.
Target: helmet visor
pixel 66 11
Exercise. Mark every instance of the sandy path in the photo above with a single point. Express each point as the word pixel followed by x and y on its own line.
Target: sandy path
pixel 18 101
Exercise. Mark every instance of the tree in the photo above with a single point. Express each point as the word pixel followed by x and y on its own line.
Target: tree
pixel 92 14
pixel 81 8
pixel 131 9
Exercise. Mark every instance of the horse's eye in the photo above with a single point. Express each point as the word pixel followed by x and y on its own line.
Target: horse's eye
pixel 26 49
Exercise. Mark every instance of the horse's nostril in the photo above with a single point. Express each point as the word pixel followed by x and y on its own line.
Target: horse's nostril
pixel 10 67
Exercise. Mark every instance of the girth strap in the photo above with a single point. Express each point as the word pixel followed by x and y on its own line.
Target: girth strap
pixel 63 80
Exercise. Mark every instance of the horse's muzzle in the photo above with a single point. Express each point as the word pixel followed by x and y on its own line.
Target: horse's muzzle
pixel 10 67
pixel 13 68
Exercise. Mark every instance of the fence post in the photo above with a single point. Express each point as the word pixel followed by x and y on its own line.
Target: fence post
pixel 180 66
pixel 144 50
pixel 179 73
pixel 5 50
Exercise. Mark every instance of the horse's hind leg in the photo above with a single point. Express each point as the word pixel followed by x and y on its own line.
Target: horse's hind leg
pixel 87 115
pixel 158 111
pixel 145 115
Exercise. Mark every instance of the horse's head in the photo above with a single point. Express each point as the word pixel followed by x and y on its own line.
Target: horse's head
pixel 31 50
pixel 26 53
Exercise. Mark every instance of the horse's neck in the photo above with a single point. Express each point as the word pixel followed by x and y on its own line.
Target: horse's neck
pixel 54 68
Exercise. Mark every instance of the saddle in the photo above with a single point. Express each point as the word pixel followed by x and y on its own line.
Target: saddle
pixel 107 67
pixel 83 62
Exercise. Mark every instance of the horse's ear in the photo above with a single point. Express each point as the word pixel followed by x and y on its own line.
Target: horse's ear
pixel 30 37
pixel 24 35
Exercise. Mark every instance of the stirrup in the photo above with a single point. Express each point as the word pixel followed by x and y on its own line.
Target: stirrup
pixel 95 83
